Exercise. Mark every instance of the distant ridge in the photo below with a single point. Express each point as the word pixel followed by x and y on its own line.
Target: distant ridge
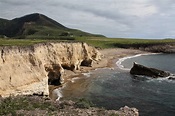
pixel 37 26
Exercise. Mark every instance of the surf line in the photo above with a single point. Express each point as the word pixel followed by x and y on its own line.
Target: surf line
pixel 119 62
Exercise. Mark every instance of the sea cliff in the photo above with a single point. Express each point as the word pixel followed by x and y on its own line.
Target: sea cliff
pixel 28 70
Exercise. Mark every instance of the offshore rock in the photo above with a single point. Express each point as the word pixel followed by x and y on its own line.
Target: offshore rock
pixel 28 70
pixel 138 69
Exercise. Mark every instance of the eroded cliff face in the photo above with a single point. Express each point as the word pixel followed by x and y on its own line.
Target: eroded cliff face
pixel 28 70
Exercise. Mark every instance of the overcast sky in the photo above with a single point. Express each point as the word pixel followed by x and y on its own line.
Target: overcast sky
pixel 112 18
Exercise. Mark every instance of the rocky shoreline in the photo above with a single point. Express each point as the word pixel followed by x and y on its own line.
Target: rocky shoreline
pixel 154 47
pixel 39 106
pixel 110 56
pixel 42 54
pixel 30 68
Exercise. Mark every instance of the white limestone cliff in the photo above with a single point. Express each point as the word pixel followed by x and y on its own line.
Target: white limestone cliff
pixel 27 70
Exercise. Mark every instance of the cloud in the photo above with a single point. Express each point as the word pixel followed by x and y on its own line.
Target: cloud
pixel 113 18
pixel 13 2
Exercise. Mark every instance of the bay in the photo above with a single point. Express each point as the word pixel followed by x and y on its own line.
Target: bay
pixel 113 89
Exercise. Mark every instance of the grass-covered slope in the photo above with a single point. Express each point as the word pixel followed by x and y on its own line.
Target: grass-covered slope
pixel 37 26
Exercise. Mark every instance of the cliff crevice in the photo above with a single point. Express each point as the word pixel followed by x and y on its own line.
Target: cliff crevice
pixel 29 70
pixel 2 55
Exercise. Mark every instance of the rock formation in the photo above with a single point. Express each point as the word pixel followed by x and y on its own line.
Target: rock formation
pixel 172 77
pixel 138 69
pixel 28 70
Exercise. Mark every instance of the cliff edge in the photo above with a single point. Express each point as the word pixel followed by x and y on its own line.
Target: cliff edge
pixel 29 70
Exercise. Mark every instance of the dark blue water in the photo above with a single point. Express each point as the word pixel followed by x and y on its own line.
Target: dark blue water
pixel 113 89
pixel 160 61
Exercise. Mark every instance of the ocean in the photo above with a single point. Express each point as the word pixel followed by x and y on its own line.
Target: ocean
pixel 114 88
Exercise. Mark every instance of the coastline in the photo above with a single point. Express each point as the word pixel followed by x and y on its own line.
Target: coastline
pixel 113 55
pixel 108 60
pixel 118 63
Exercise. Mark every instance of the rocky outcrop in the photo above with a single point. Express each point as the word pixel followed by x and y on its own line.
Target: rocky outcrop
pixel 160 48
pixel 70 107
pixel 171 77
pixel 138 69
pixel 28 70
pixel 151 47
pixel 26 105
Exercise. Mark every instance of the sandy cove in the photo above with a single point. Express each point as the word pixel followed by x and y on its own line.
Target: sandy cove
pixel 109 59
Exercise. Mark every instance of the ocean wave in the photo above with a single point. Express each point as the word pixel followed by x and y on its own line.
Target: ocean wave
pixel 165 79
pixel 57 94
pixel 87 74
pixel 119 62
pixel 150 79
pixel 74 79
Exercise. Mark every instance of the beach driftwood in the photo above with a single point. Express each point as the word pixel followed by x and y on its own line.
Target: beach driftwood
pixel 139 69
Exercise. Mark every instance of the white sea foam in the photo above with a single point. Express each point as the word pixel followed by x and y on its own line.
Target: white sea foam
pixel 64 85
pixel 74 79
pixel 104 68
pixel 87 74
pixel 162 79
pixel 119 62
pixel 57 94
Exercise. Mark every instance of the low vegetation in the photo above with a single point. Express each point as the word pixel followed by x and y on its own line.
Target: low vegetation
pixel 84 103
pixel 102 42
pixel 99 42
pixel 37 106
pixel 20 104
pixel 19 42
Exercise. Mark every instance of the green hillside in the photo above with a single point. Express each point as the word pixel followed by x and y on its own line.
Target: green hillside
pixel 37 26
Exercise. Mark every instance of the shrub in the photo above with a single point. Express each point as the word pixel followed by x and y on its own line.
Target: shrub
pixel 84 103
pixel 11 105
pixel 113 114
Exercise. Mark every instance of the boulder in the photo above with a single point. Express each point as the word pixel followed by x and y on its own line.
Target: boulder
pixel 138 69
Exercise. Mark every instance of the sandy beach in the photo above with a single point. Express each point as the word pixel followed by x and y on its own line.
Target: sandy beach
pixel 109 57
pixel 113 55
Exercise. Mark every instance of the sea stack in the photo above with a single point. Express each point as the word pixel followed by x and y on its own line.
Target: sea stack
pixel 139 69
